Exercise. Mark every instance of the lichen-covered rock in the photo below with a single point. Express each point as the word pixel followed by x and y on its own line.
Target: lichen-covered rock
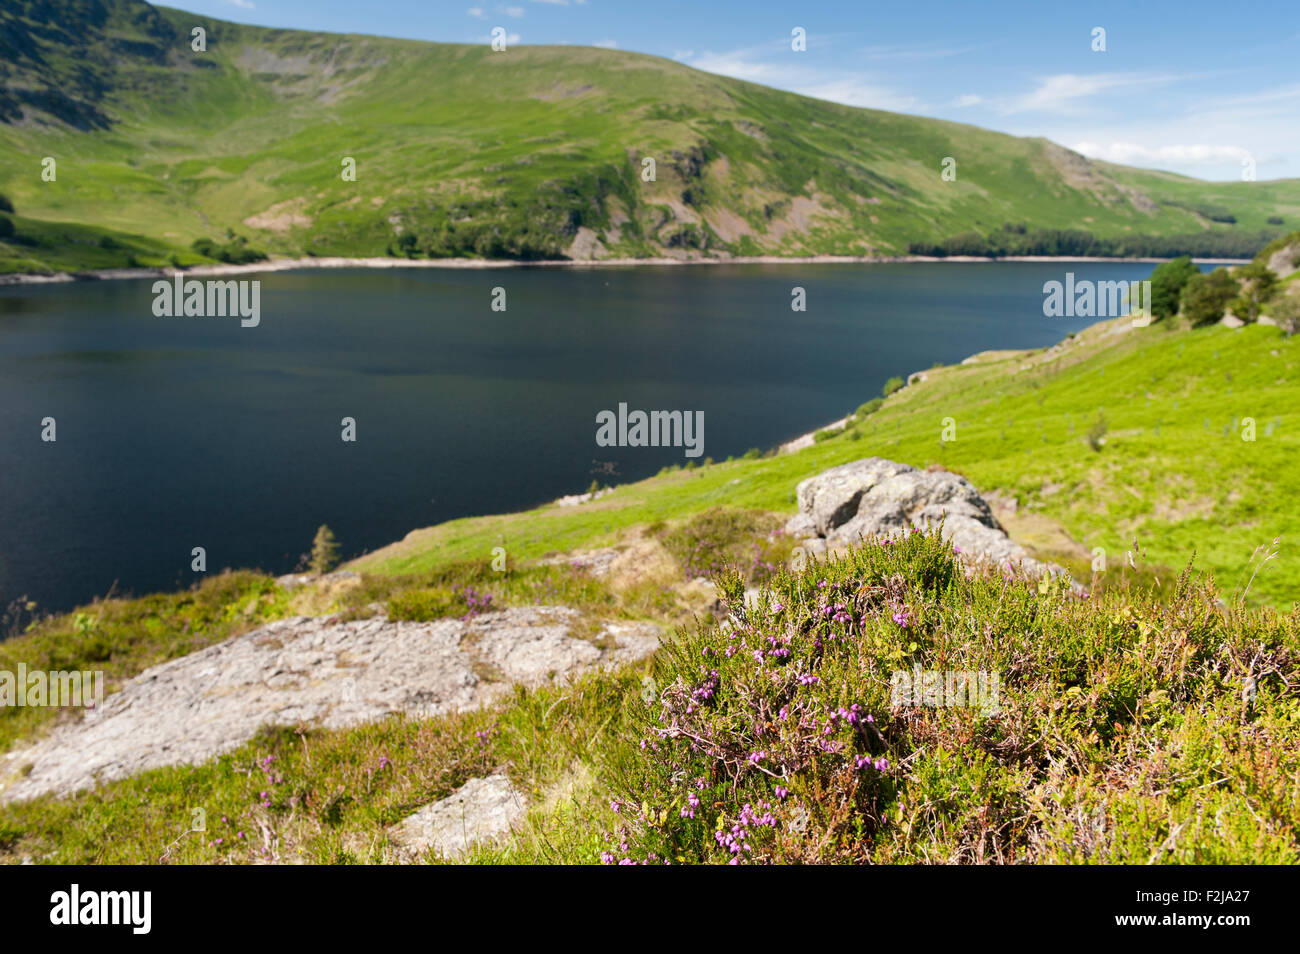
pixel 875 497
pixel 483 809
pixel 313 670
pixel 832 498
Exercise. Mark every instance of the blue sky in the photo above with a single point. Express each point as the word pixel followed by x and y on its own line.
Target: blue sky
pixel 1193 87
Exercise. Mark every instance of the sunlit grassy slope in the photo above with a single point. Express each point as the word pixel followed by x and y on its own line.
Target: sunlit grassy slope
pixel 463 151
pixel 1174 471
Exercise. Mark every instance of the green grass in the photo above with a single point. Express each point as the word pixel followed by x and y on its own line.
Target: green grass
pixel 48 247
pixel 466 152
pixel 1126 732
pixel 1174 471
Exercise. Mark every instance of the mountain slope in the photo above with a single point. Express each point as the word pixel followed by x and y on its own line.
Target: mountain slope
pixel 534 152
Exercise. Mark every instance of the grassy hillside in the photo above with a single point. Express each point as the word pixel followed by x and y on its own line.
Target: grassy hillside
pixel 532 152
pixel 1124 730
pixel 1173 472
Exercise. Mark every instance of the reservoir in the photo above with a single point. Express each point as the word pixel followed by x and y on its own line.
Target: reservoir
pixel 173 433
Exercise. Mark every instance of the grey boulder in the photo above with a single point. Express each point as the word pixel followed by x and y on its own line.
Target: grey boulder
pixel 878 498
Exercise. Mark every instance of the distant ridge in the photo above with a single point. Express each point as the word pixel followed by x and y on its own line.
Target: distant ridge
pixel 535 152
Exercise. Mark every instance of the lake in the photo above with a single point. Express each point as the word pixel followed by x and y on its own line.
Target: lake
pixel 174 433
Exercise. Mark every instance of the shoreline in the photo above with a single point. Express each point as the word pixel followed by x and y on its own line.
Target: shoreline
pixel 335 262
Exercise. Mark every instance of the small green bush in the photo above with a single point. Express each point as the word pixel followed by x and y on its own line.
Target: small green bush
pixel 1205 298
pixel 1097 433
pixel 1167 283
pixel 324 550
pixel 1258 285
pixel 234 252
pixel 425 605
pixel 869 408
pixel 722 538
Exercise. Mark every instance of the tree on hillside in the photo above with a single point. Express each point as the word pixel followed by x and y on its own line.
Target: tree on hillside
pixel 1167 283
pixel 1258 286
pixel 1205 297
pixel 5 204
pixel 6 227
pixel 324 551
pixel 1286 312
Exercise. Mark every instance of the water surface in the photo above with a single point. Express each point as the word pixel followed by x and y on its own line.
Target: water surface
pixel 184 432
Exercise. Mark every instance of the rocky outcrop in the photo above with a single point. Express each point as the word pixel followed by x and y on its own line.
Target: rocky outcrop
pixel 875 497
pixel 481 810
pixel 1285 260
pixel 317 671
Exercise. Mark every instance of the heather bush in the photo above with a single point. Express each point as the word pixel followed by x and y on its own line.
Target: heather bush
pixel 1117 720
pixel 722 538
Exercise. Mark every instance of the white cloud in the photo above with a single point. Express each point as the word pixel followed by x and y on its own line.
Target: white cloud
pixel 244 4
pixel 733 64
pixel 852 91
pixel 1066 91
pixel 515 12
pixel 840 86
pixel 969 99
pixel 607 44
pixel 476 12
pixel 683 54
pixel 1129 153
pixel 920 52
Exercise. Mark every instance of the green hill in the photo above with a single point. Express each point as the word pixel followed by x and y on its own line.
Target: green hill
pixel 533 152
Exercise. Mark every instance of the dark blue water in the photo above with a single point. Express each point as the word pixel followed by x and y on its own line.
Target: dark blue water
pixel 184 432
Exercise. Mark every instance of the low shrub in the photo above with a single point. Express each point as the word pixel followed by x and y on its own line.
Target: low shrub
pixel 721 539
pixel 806 729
